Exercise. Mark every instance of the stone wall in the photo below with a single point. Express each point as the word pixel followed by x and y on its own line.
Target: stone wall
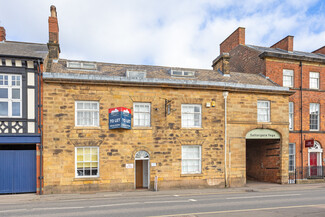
pixel 162 140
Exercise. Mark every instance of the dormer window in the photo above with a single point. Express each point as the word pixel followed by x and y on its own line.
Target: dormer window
pixel 182 73
pixel 81 65
pixel 136 74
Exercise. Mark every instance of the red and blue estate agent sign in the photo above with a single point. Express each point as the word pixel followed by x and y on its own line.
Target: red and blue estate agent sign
pixel 119 117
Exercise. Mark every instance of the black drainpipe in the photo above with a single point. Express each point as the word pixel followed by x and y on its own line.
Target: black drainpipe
pixel 40 125
pixel 301 143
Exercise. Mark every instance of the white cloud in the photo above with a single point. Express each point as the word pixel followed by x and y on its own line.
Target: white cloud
pixel 174 33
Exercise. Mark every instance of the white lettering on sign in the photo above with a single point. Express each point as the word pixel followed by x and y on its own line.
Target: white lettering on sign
pixel 129 166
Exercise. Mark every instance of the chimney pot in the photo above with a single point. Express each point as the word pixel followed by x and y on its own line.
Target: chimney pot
pixel 53 11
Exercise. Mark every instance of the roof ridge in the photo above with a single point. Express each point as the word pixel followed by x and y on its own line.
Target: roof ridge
pixel 22 42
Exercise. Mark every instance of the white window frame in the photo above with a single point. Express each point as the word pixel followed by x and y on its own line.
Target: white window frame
pixel 288 76
pixel 314 107
pixel 86 161
pixel 293 154
pixel 267 109
pixel 192 125
pixel 10 100
pixel 136 120
pixel 186 160
pixel 92 111
pixel 314 80
pixel 82 65
pixel 182 73
pixel 291 115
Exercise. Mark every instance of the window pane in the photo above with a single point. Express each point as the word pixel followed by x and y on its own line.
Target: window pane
pixel 4 93
pixel 3 108
pixel 16 93
pixel 16 109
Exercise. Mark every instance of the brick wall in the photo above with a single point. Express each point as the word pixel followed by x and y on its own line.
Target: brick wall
pixel 235 39
pixel 263 160
pixel 285 44
pixel 245 59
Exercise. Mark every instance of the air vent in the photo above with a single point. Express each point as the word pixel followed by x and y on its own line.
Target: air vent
pixel 136 74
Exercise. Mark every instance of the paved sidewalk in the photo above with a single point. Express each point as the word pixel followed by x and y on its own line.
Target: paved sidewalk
pixel 250 187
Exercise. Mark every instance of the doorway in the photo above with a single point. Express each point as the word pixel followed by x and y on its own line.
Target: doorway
pixel 315 160
pixel 263 156
pixel 142 170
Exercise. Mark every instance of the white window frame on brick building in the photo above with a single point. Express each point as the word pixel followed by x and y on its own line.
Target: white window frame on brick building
pixel 191 159
pixel 10 96
pixel 86 162
pixel 291 115
pixel 191 115
pixel 314 80
pixel 314 116
pixel 141 114
pixel 288 78
pixel 292 157
pixel 263 111
pixel 87 114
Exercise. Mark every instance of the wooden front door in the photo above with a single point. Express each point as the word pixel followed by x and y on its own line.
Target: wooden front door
pixel 313 163
pixel 139 174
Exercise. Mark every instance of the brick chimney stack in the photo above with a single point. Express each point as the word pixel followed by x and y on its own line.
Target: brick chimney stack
pixel 2 34
pixel 285 44
pixel 233 40
pixel 53 44
pixel 320 50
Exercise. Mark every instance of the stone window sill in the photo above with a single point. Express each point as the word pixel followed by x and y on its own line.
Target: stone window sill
pixel 142 128
pixel 86 128
pixel 87 179
pixel 192 128
pixel 192 174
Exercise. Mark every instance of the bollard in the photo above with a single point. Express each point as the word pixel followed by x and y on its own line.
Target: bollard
pixel 156 184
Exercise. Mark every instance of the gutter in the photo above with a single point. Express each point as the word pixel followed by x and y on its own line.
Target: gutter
pixel 40 124
pixel 53 76
pixel 291 57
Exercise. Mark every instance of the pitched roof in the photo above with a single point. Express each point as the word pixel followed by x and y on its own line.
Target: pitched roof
pixel 23 49
pixel 296 54
pixel 158 74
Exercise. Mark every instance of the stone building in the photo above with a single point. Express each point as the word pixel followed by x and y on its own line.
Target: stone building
pixel 121 127
pixel 21 65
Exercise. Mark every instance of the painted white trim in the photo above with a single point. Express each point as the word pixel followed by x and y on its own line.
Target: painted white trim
pixel 135 169
pixel 10 100
pixel 200 120
pixel 134 112
pixel 268 108
pixel 90 110
pixel 200 159
pixel 76 161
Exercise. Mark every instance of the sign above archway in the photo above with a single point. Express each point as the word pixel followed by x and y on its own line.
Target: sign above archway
pixel 262 134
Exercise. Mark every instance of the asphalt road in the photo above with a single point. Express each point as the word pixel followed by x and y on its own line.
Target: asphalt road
pixel 307 202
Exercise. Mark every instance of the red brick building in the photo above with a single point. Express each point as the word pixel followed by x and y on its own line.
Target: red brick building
pixel 302 72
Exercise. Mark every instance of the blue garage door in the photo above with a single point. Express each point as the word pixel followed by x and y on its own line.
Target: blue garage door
pixel 17 171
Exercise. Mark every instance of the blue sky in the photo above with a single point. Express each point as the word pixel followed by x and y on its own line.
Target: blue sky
pixel 184 33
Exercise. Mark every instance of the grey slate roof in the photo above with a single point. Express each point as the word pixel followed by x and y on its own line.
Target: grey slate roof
pixel 23 49
pixel 159 75
pixel 284 52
